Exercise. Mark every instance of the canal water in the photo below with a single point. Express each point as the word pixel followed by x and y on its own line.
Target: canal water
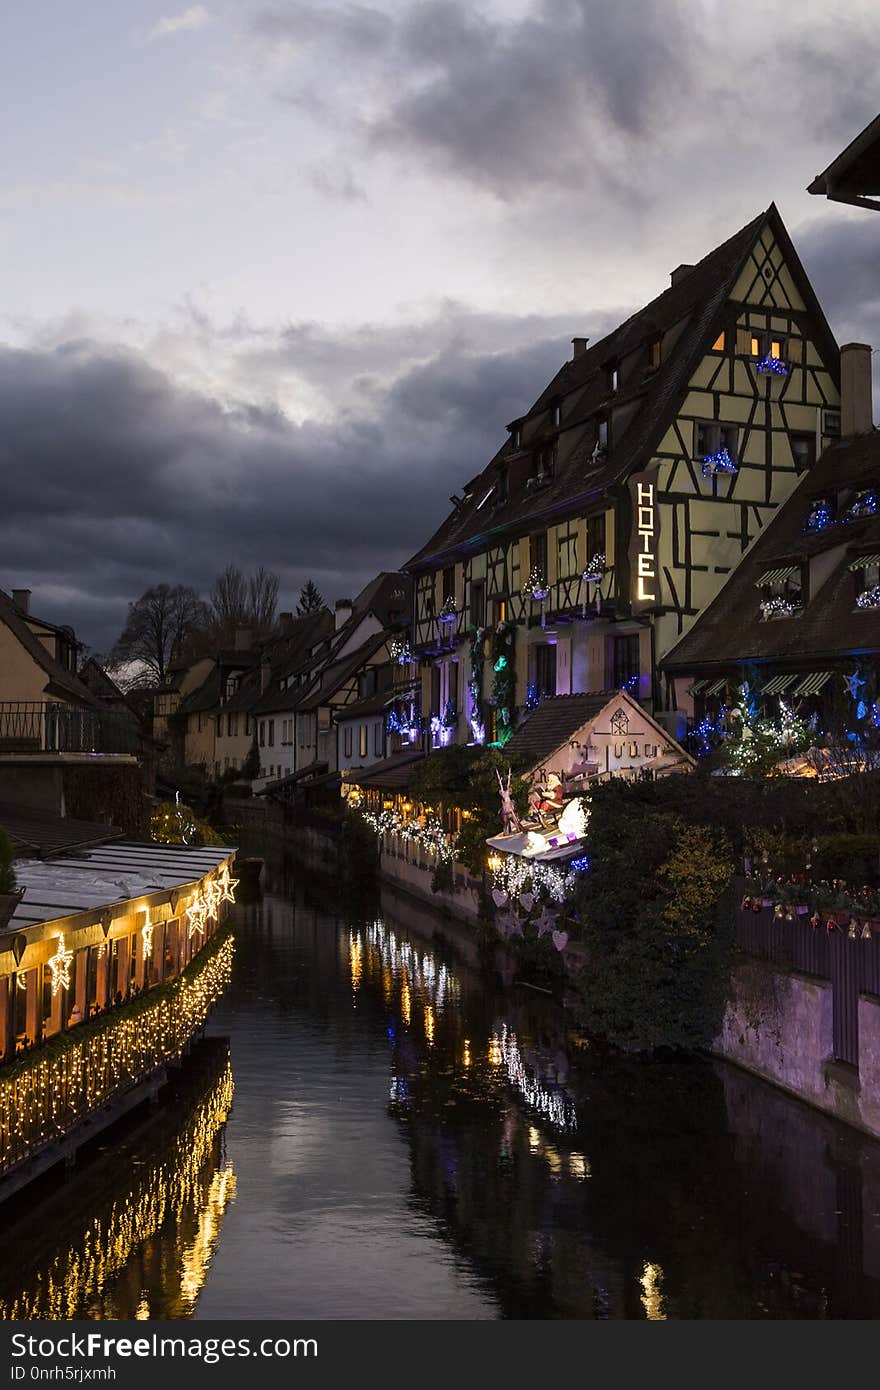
pixel 372 1130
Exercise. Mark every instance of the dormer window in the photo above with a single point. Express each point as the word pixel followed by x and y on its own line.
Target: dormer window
pixel 655 353
pixel 803 451
pixel 602 437
pixel 613 377
pixel 781 592
pixel 516 436
pixel 866 570
pixel 544 464
pixel 864 503
pixel 556 415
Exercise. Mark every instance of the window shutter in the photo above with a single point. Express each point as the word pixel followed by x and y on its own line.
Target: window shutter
pixel 744 341
pixel 794 350
pixel 563 666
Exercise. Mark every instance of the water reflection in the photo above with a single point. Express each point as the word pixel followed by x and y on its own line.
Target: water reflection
pixel 407 1142
pixel 92 1250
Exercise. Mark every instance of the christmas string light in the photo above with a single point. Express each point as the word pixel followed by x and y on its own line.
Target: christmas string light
pixel 774 366
pixel 45 1094
pixel 869 598
pixel 147 939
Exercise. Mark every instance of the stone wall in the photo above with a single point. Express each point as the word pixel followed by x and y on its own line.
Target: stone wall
pixel 779 1025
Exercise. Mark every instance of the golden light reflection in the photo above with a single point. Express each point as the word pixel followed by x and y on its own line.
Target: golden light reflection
pixel 534 1140
pixel 466 1054
pixel 652 1292
pixel 355 962
pixel 405 1000
pixel 578 1166
pixel 494 1051
pixel 180 1191
pixel 429 1024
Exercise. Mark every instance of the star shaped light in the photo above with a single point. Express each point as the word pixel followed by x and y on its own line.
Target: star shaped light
pixel 226 885
pixel 196 915
pixel 59 964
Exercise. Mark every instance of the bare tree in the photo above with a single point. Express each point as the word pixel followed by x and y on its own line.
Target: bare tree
pixel 228 601
pixel 159 623
pixel 263 598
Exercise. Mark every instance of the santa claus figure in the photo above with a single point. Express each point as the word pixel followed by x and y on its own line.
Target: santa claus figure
pixel 546 801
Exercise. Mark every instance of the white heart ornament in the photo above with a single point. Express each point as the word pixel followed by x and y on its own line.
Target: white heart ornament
pixel 499 897
pixel 560 940
pixel 527 901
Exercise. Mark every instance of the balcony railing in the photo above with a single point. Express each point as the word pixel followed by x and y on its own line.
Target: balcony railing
pixel 49 727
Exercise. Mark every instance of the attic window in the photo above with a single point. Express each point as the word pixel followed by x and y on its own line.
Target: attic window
pixel 781 592
pixel 516 437
pixel 556 415
pixel 602 437
pixel 613 378
pixel 720 342
pixel 655 352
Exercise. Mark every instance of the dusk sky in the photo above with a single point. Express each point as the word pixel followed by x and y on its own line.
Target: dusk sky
pixel 278 274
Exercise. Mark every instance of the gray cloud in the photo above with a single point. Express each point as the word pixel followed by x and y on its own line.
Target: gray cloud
pixel 116 479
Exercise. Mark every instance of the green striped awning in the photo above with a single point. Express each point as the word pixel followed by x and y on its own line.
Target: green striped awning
pixel 777 576
pixel 812 684
pixel 863 561
pixel 778 684
pixel 717 686
pixel 698 686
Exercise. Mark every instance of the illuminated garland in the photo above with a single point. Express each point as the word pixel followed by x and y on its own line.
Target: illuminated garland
pixel 431 835
pixel 59 966
pixel 448 611
pixel 406 725
pixel 536 586
pixel 44 1095
pixel 184 1185
pixel 514 875
pixel 475 684
pixel 504 678
pixel 865 504
pixel 719 462
pixel 869 598
pixel 755 744
pixel 399 650
pixel 820 518
pixel 595 570
pixel 773 365
pixel 780 607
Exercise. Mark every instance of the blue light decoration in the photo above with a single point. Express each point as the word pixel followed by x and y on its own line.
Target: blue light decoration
pixel 820 518
pixel 631 684
pixel 773 365
pixel 533 698
pixel 580 865
pixel 864 504
pixel 719 462
pixel 707 735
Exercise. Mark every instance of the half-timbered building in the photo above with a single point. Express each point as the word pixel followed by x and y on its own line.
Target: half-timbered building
pixel 623 499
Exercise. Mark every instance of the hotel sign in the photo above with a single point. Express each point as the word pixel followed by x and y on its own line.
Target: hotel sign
pixel 644 542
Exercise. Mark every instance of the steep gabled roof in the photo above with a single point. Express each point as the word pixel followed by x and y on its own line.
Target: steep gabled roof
pixel 691 312
pixel 60 682
pixel 855 172
pixel 336 674
pixel 549 728
pixel 731 630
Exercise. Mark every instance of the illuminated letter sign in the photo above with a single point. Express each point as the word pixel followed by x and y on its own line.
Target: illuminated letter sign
pixel 644 542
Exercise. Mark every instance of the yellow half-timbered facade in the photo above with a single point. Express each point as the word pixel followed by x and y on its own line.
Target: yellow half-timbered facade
pixel 624 498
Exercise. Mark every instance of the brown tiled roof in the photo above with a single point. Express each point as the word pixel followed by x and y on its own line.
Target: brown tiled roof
pixel 731 630
pixel 554 722
pixel 43 836
pixel 689 312
pixel 391 774
pixel 371 704
pixel 61 682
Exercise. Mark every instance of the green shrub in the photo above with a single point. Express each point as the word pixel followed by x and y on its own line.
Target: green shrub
pixel 7 869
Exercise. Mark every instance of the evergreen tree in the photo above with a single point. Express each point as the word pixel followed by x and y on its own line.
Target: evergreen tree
pixel 310 600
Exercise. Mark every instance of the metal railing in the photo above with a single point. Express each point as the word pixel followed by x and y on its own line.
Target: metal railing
pixel 51 727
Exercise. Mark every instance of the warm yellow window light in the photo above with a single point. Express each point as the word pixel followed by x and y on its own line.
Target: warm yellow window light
pixel 718 345
pixel 756 347
pixel 776 349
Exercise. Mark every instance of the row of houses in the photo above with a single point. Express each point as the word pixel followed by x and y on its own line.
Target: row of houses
pixel 690 502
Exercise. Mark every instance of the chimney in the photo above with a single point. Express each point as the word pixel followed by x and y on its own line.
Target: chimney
pixel 680 273
pixel 22 600
pixel 285 622
pixel 243 639
pixel 578 347
pixel 343 611
pixel 856 403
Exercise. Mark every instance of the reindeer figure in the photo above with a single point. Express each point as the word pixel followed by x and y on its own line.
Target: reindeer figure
pixel 509 818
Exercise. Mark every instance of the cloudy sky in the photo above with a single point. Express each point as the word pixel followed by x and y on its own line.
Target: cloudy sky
pixel 278 273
